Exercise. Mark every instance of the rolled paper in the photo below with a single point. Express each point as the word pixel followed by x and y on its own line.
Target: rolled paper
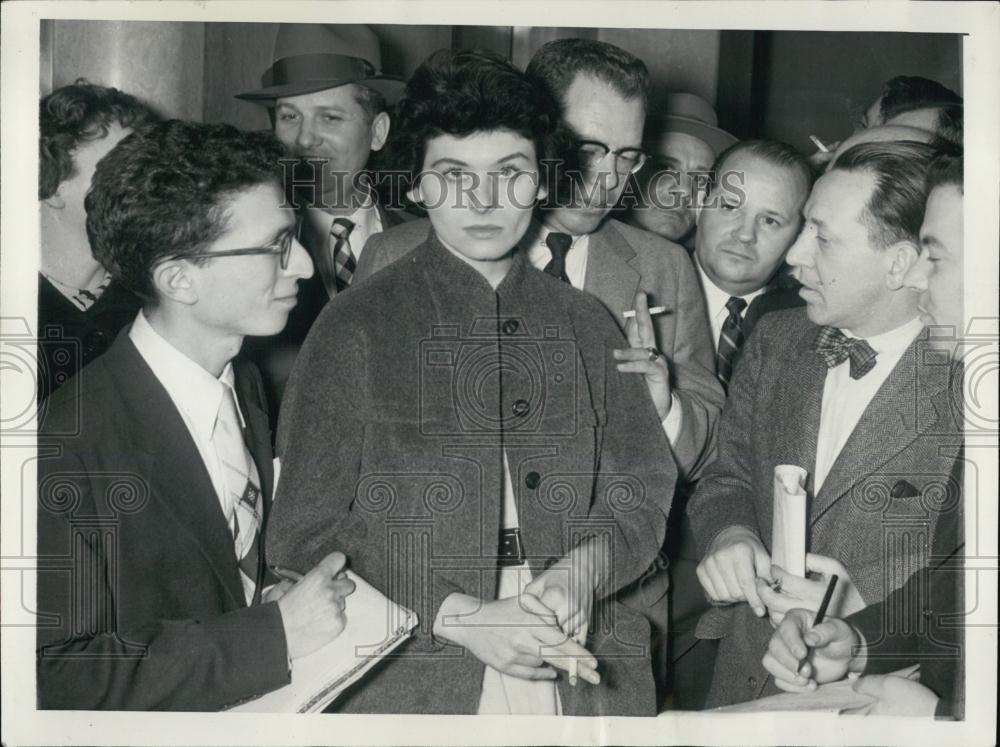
pixel 788 532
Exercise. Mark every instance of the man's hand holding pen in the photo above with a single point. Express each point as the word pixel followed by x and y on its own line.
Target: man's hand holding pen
pixel 312 607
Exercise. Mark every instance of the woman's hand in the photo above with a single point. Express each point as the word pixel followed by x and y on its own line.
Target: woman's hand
pixel 518 636
pixel 567 588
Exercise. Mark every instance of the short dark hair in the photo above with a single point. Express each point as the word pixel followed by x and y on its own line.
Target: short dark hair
pixel 895 209
pixel 774 152
pixel 949 127
pixel 946 170
pixel 74 114
pixel 558 63
pixel 162 192
pixel 459 92
pixel 907 93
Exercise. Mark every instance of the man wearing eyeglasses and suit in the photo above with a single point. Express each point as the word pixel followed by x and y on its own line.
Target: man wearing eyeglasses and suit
pixel 602 90
pixel 155 473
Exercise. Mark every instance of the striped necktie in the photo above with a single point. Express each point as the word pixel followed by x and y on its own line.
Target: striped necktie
pixel 341 258
pixel 730 341
pixel 559 244
pixel 243 498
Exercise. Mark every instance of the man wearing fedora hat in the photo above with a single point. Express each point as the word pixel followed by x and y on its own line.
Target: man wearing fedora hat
pixel 328 102
pixel 682 143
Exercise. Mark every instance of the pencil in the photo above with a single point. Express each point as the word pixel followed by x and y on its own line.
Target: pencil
pixel 630 314
pixel 286 573
pixel 821 612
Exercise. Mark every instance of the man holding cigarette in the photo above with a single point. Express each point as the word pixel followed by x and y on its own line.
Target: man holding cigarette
pixel 801 656
pixel 155 471
pixel 842 390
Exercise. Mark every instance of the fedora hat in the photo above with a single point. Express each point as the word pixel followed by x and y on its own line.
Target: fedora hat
pixel 310 57
pixel 691 115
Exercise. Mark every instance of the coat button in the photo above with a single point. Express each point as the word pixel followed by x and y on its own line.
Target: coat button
pixel 532 479
pixel 752 682
pixel 520 407
pixel 510 326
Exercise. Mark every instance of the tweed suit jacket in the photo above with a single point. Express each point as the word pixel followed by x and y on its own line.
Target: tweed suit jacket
pixel 875 512
pixel 622 260
pixel 139 595
pixel 392 437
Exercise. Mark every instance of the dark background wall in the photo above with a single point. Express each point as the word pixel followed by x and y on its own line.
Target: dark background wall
pixel 784 84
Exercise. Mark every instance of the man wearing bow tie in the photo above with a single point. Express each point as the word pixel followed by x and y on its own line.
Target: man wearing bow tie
pixel 844 390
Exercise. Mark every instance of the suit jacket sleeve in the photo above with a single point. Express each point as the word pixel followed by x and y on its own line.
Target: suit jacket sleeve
pixel 86 661
pixel 635 482
pixel 692 365
pixel 725 494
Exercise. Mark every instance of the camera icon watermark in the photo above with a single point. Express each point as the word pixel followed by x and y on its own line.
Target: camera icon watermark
pixel 27 362
pixel 495 377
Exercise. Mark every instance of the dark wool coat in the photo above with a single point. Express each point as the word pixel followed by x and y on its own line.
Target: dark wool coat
pixel 878 507
pixel 406 394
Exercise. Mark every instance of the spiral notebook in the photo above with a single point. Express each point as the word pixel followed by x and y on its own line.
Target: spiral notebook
pixel 375 626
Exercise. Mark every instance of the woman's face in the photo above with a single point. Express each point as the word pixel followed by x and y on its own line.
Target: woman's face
pixel 479 192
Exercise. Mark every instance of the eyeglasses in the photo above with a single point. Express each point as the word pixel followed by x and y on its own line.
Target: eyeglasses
pixel 590 154
pixel 281 246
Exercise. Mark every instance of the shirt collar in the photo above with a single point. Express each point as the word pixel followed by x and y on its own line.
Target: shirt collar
pixel 895 341
pixel 716 298
pixel 195 392
pixel 538 250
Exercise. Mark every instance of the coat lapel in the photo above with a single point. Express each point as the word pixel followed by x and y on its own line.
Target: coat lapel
pixel 179 481
pixel 798 407
pixel 898 413
pixel 610 276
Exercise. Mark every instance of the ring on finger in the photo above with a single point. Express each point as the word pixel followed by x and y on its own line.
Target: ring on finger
pixel 654 353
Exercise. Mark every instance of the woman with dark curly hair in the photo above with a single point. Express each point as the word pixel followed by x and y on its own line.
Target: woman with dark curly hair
pixel 456 424
pixel 80 306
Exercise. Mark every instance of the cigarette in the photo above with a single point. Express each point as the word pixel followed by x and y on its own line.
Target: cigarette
pixel 581 638
pixel 630 314
pixel 819 143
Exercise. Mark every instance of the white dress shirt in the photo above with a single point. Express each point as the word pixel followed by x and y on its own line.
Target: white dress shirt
pixel 539 255
pixel 845 399
pixel 195 393
pixel 715 303
pixel 366 220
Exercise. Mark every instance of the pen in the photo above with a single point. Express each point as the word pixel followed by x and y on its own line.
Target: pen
pixel 821 612
pixel 630 314
pixel 819 143
pixel 286 573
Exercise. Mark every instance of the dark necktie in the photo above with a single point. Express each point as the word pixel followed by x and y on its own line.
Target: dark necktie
pixel 339 255
pixel 836 347
pixel 558 244
pixel 730 341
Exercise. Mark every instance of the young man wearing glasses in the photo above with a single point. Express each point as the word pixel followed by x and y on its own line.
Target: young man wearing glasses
pixel 152 590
